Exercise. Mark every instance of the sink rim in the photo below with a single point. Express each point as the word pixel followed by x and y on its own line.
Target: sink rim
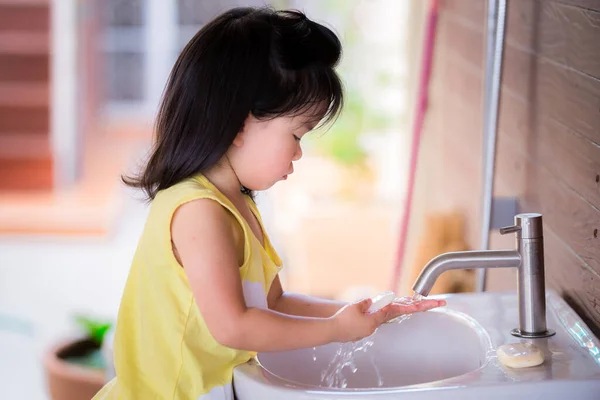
pixel 497 313
pixel 485 343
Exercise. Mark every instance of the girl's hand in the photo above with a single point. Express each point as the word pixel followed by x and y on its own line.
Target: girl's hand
pixel 353 321
pixel 406 305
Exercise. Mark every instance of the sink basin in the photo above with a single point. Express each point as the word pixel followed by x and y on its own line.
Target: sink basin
pixel 397 356
pixel 447 353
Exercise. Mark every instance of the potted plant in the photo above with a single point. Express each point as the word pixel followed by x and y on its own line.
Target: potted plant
pixel 75 369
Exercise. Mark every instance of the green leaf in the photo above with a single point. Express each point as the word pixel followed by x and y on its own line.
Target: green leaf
pixel 95 330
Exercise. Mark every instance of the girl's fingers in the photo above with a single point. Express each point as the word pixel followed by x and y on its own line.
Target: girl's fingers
pixel 398 309
pixel 365 304
pixel 394 310
pixel 423 305
pixel 429 304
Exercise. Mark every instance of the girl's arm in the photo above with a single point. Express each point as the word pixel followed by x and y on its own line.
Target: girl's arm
pixel 302 305
pixel 205 241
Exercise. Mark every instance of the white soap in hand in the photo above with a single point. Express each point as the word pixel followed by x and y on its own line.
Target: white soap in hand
pixel 381 300
pixel 520 355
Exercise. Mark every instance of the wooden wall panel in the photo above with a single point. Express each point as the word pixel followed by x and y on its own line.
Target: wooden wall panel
pixel 566 212
pixel 568 96
pixel 593 5
pixel 572 278
pixel 562 33
pixel 566 154
pixel 548 148
pixel 468 10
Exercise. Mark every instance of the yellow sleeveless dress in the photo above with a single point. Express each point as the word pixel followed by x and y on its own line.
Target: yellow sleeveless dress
pixel 162 346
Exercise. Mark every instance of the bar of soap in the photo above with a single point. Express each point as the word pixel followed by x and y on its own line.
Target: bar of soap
pixel 520 355
pixel 381 300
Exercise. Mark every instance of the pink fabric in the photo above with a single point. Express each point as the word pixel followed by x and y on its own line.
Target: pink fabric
pixel 416 134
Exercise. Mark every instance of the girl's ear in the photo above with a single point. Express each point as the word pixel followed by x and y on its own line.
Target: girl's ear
pixel 239 138
pixel 238 141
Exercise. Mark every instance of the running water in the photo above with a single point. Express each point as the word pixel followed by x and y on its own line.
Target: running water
pixel 334 375
pixel 408 301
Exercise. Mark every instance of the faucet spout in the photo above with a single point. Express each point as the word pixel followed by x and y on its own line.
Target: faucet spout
pixel 528 258
pixel 464 260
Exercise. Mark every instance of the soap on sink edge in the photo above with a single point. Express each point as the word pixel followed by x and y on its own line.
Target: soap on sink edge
pixel 381 300
pixel 520 355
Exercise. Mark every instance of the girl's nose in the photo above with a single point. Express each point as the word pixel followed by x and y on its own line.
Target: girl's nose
pixel 298 153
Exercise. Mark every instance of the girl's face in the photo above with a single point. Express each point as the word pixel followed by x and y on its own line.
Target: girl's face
pixel 264 151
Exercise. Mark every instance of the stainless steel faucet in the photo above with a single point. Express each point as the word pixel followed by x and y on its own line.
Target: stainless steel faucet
pixel 528 258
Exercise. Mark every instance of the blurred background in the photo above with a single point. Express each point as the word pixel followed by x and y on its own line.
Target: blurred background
pixel 80 83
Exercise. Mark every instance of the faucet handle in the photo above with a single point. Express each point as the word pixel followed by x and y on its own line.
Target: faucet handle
pixel 510 229
pixel 527 226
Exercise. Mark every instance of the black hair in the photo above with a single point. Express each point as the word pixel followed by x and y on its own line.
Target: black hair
pixel 246 61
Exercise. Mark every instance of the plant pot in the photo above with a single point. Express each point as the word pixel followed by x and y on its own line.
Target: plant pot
pixel 70 381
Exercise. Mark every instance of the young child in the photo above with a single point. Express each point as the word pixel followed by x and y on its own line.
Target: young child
pixel 203 293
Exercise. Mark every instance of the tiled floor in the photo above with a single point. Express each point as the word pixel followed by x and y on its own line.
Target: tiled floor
pixel 44 281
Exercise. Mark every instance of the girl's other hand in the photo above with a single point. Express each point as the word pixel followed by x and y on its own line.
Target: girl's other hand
pixel 403 306
pixel 353 321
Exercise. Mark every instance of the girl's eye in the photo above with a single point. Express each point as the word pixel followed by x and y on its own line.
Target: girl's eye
pixel 296 138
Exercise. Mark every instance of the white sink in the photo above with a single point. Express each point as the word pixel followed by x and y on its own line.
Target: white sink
pixel 396 357
pixel 445 353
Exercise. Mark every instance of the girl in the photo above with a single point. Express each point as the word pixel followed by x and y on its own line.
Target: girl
pixel 203 293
